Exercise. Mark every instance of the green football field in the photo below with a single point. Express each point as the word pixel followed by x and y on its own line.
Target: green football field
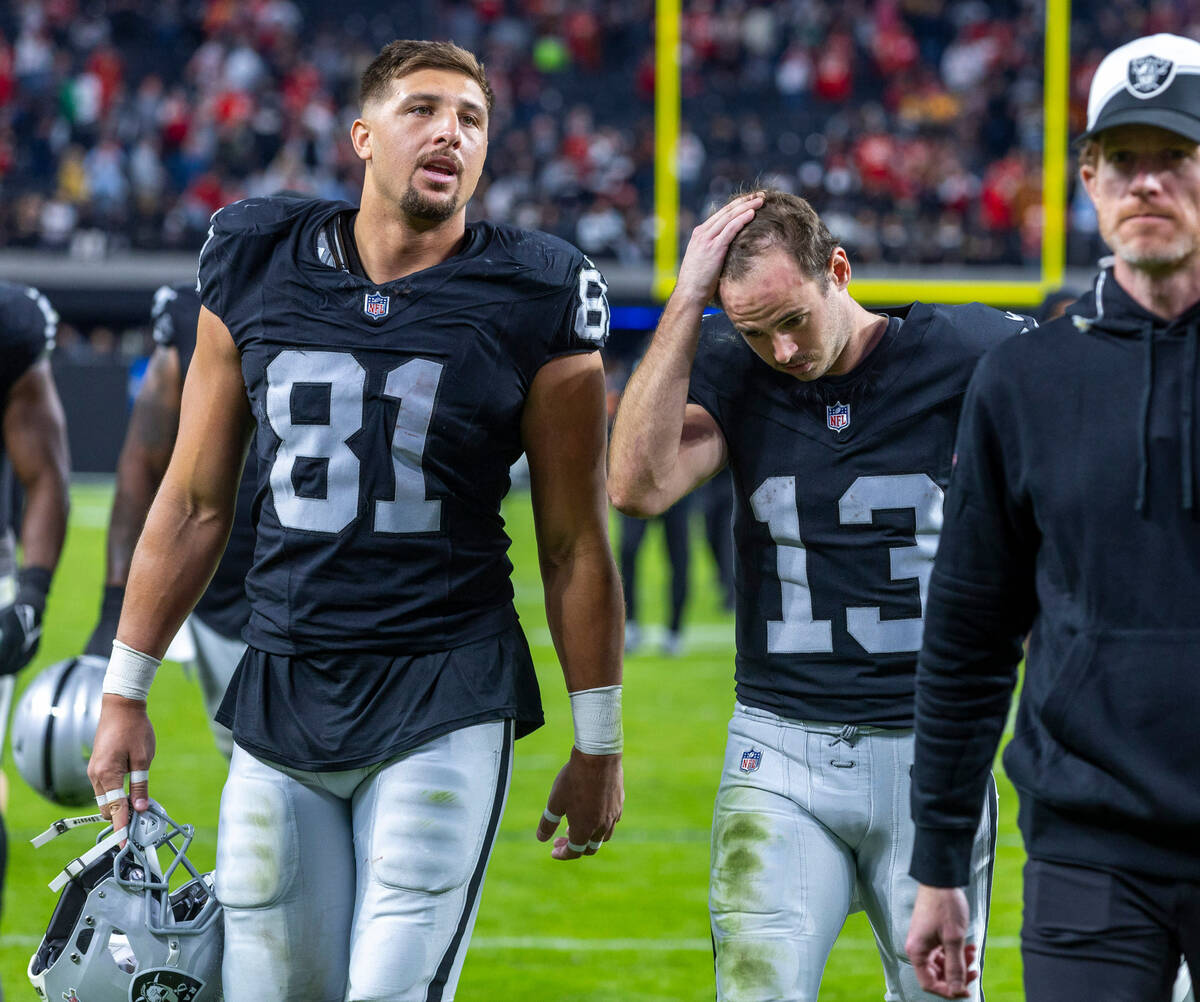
pixel 629 925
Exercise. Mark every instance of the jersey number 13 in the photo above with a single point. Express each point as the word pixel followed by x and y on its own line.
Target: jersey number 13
pixel 774 502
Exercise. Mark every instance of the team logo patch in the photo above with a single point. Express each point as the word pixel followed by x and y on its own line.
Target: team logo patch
pixel 751 760
pixel 163 984
pixel 837 416
pixel 70 996
pixel 1149 75
pixel 376 306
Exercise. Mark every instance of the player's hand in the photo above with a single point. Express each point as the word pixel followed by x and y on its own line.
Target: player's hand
pixel 20 633
pixel 704 258
pixel 124 746
pixel 941 957
pixel 589 791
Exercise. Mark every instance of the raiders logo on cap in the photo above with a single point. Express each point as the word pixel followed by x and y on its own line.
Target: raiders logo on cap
pixel 1153 80
pixel 1148 75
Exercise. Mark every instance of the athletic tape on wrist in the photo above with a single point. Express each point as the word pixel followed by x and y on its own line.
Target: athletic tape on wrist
pixel 129 672
pixel 597 716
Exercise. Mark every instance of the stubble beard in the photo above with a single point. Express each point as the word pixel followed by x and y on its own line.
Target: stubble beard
pixel 418 205
pixel 1153 256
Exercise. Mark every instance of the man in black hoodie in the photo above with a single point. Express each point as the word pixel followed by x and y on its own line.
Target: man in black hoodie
pixel 1073 516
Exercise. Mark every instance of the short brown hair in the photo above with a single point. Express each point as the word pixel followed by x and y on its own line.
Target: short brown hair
pixel 1089 152
pixel 786 221
pixel 404 56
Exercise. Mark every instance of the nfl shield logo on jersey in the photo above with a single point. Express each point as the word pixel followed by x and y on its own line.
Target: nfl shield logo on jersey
pixel 376 306
pixel 751 759
pixel 837 416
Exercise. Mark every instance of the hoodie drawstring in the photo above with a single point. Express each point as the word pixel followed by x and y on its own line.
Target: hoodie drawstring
pixel 1186 417
pixel 1144 439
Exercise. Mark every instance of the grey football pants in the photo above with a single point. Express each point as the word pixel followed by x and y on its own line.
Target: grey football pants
pixel 217 658
pixel 812 822
pixel 359 885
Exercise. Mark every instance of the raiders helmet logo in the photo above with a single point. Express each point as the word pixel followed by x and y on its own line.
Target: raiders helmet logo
pixel 164 984
pixel 1150 75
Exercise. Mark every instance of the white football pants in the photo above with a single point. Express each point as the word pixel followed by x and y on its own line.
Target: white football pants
pixel 812 822
pixel 363 884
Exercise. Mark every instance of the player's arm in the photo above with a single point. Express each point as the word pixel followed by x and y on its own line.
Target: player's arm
pixel 563 429
pixel 662 446
pixel 35 440
pixel 145 454
pixel 980 604
pixel 180 546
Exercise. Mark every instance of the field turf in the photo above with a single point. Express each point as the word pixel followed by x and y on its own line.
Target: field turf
pixel 629 925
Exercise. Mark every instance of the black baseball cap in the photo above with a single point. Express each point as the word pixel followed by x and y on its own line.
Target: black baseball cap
pixel 1153 80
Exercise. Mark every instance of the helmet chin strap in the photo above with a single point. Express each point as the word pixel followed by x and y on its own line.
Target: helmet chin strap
pixel 74 868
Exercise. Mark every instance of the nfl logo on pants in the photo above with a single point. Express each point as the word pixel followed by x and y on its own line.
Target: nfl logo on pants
pixel 750 760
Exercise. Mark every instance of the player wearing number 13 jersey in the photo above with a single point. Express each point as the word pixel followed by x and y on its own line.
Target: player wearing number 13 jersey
pixel 386 364
pixel 838 425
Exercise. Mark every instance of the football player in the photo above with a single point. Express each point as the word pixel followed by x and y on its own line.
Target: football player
pixel 838 425
pixel 34 437
pixel 217 621
pixel 1074 519
pixel 397 361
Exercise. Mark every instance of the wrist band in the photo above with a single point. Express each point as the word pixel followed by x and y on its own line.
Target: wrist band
pixel 597 716
pixel 129 672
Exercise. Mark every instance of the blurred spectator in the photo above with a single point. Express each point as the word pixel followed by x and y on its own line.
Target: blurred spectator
pixel 914 123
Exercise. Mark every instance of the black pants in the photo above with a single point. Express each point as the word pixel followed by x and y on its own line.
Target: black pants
pixel 1102 936
pixel 675 529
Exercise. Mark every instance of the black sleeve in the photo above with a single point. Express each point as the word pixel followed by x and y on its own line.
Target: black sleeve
pixel 710 367
pixel 174 314
pixel 980 605
pixel 28 324
pixel 583 320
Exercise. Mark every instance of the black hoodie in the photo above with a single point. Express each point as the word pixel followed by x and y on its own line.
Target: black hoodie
pixel 1072 512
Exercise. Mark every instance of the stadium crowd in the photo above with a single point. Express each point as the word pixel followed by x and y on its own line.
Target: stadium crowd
pixel 915 125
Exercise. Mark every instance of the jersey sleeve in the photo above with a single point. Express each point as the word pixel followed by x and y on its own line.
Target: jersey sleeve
pixel 583 321
pixel 28 324
pixel 240 239
pixel 173 316
pixel 710 368
pixel 980 604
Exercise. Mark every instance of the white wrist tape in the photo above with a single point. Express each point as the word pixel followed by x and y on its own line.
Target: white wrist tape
pixel 129 672
pixel 597 716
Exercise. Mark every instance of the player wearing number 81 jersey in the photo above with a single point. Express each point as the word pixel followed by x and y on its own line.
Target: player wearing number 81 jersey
pixel 838 425
pixel 387 365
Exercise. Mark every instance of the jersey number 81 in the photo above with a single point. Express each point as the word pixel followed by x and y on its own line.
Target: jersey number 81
pixel 413 384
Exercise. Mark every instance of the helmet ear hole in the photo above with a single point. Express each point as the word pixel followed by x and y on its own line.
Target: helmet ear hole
pixel 84 940
pixel 121 951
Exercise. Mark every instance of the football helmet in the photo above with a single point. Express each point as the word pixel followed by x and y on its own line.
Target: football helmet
pixel 54 726
pixel 118 933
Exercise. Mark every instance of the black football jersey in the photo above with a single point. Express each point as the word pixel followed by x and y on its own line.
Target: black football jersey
pixel 388 417
pixel 27 327
pixel 839 491
pixel 223 606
